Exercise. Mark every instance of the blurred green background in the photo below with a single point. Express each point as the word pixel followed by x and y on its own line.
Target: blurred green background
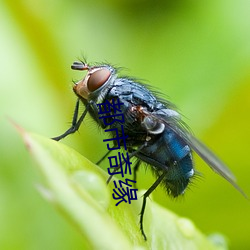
pixel 196 52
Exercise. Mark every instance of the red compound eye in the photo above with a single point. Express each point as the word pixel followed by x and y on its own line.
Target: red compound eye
pixel 97 79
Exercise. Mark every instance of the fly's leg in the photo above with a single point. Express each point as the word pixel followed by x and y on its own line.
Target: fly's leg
pixel 111 176
pixel 137 165
pixel 75 123
pixel 145 196
pixel 95 113
pixel 105 156
pixel 130 156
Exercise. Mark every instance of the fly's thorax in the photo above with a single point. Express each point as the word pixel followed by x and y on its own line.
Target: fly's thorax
pixel 96 83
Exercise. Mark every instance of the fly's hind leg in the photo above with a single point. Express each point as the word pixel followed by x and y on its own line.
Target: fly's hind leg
pixel 145 196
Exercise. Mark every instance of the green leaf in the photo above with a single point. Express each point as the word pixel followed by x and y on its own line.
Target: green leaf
pixel 78 189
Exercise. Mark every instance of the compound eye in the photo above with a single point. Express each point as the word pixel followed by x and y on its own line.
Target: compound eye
pixel 97 79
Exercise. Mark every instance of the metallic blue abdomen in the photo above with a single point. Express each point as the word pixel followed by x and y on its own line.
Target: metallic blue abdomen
pixel 170 154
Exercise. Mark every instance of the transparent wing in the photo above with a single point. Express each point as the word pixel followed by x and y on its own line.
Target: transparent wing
pixel 175 124
pixel 208 156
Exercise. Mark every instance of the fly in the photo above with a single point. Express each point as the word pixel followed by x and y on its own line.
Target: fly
pixel 156 134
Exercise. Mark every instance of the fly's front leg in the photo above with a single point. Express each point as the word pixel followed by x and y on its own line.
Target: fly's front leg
pixel 75 123
pixel 96 115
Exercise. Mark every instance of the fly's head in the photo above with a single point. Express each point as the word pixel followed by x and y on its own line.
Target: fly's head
pixel 93 85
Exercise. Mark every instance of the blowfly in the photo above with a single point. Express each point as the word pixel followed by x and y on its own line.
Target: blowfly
pixel 156 134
